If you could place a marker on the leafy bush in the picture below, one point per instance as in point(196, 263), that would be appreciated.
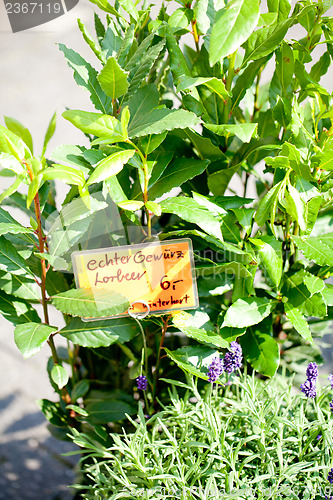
point(253, 439)
point(194, 118)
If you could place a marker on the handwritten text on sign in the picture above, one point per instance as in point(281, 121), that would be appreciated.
point(160, 273)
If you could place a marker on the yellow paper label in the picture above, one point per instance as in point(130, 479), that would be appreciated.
point(161, 274)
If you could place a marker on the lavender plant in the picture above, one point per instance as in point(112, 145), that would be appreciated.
point(256, 440)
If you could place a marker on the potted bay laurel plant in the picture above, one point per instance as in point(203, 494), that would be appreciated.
point(188, 139)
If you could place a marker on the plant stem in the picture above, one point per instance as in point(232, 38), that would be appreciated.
point(195, 34)
point(164, 329)
point(229, 79)
point(145, 182)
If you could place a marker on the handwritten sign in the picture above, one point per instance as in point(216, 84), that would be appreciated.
point(160, 274)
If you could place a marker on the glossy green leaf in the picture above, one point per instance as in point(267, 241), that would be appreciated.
point(158, 121)
point(300, 297)
point(49, 132)
point(80, 389)
point(20, 285)
point(233, 25)
point(101, 125)
point(108, 408)
point(153, 207)
point(9, 162)
point(244, 131)
point(64, 173)
point(298, 321)
point(212, 83)
point(131, 205)
point(59, 376)
point(178, 171)
point(17, 310)
point(248, 312)
point(113, 79)
point(20, 130)
point(91, 42)
point(10, 260)
point(100, 333)
point(270, 252)
point(230, 334)
point(109, 166)
point(261, 350)
point(90, 303)
point(318, 248)
point(9, 225)
point(194, 360)
point(190, 210)
point(31, 337)
point(265, 40)
point(205, 337)
point(86, 76)
point(12, 144)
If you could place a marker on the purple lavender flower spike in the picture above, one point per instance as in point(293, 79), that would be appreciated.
point(330, 476)
point(142, 382)
point(331, 405)
point(312, 371)
point(330, 378)
point(233, 359)
point(309, 388)
point(319, 437)
point(215, 369)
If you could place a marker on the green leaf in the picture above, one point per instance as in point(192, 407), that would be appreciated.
point(77, 409)
point(104, 5)
point(31, 337)
point(205, 337)
point(296, 207)
point(108, 408)
point(100, 333)
point(131, 205)
point(318, 248)
point(86, 76)
point(298, 321)
point(230, 334)
point(20, 130)
point(248, 312)
point(9, 225)
point(219, 181)
point(10, 260)
point(146, 120)
point(90, 41)
point(267, 205)
point(143, 67)
point(80, 389)
point(113, 79)
point(101, 125)
point(59, 376)
point(233, 25)
point(212, 83)
point(194, 360)
point(109, 166)
point(17, 310)
point(265, 40)
point(20, 286)
point(12, 144)
point(235, 268)
point(178, 171)
point(244, 131)
point(300, 297)
point(90, 303)
point(158, 121)
point(261, 350)
point(64, 173)
point(325, 157)
point(49, 133)
point(9, 162)
point(153, 207)
point(270, 252)
point(190, 210)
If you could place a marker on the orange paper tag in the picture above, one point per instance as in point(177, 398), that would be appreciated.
point(161, 274)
